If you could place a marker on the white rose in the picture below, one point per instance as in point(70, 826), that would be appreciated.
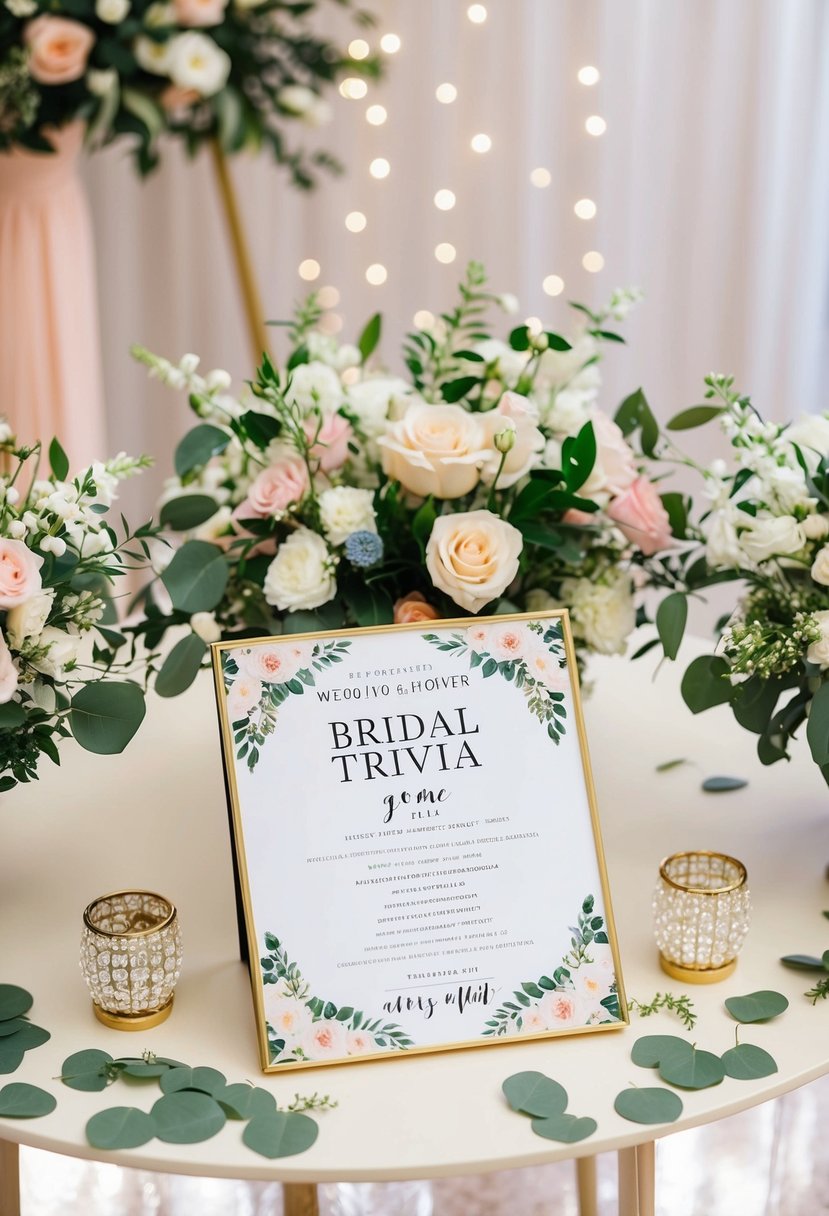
point(302, 573)
point(28, 619)
point(811, 434)
point(344, 510)
point(196, 62)
point(603, 614)
point(772, 536)
point(111, 11)
point(61, 655)
point(435, 449)
point(820, 567)
point(815, 527)
point(315, 386)
point(244, 693)
point(521, 416)
point(206, 627)
point(8, 672)
point(371, 402)
point(722, 544)
point(154, 57)
point(473, 557)
point(818, 652)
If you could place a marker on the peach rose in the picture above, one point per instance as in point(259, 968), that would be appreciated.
point(435, 449)
point(274, 489)
point(174, 97)
point(615, 467)
point(324, 1039)
point(359, 1043)
point(414, 607)
point(289, 1017)
point(8, 672)
point(520, 415)
point(509, 641)
point(560, 1009)
point(473, 556)
point(331, 446)
point(19, 573)
point(274, 664)
point(194, 13)
point(642, 518)
point(243, 694)
point(545, 667)
point(58, 49)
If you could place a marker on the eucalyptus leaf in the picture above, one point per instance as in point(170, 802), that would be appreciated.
point(566, 1129)
point(532, 1093)
point(181, 666)
point(697, 415)
point(280, 1134)
point(757, 1006)
point(745, 1062)
point(671, 616)
point(187, 511)
point(235, 1100)
point(86, 1070)
point(29, 1036)
point(802, 962)
point(196, 577)
point(668, 765)
point(10, 1057)
point(19, 1101)
point(651, 1049)
point(706, 683)
point(106, 714)
point(651, 1105)
point(198, 446)
point(120, 1127)
point(142, 1070)
point(723, 785)
point(11, 1026)
point(205, 1080)
point(14, 1001)
point(817, 725)
point(698, 1070)
point(186, 1117)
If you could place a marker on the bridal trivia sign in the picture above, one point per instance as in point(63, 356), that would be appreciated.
point(416, 839)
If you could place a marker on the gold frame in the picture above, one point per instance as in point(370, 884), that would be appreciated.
point(228, 759)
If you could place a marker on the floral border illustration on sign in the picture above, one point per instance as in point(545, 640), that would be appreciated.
point(581, 992)
point(259, 678)
point(526, 654)
point(304, 1027)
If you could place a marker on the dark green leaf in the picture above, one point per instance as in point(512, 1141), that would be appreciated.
point(197, 447)
point(757, 1006)
point(368, 339)
point(723, 785)
point(557, 342)
point(667, 765)
point(12, 1026)
point(534, 1094)
point(677, 510)
point(697, 1070)
point(14, 1001)
point(802, 962)
point(19, 1101)
point(142, 1070)
point(519, 339)
point(12, 715)
point(652, 1105)
point(280, 1134)
point(817, 727)
point(671, 616)
point(105, 715)
point(187, 511)
point(206, 1080)
point(706, 683)
point(180, 668)
point(86, 1070)
point(196, 577)
point(635, 414)
point(120, 1127)
point(58, 460)
point(186, 1117)
point(566, 1129)
point(578, 456)
point(454, 390)
point(697, 415)
point(651, 1050)
point(746, 1063)
point(261, 429)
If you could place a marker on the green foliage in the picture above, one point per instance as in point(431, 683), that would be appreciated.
point(651, 1050)
point(671, 616)
point(651, 1105)
point(280, 1134)
point(532, 1093)
point(17, 1034)
point(187, 1117)
point(120, 1127)
point(90, 1071)
point(757, 1006)
point(206, 1080)
point(696, 415)
point(369, 338)
point(197, 448)
point(187, 511)
point(817, 729)
point(14, 1001)
point(181, 666)
point(19, 1101)
point(196, 577)
point(634, 414)
point(748, 1063)
point(58, 460)
point(694, 1070)
point(706, 683)
point(682, 1006)
point(564, 1128)
point(105, 715)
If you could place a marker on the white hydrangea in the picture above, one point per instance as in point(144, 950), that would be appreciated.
point(602, 612)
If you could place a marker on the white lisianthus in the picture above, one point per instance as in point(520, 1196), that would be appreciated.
point(27, 620)
point(783, 486)
point(820, 567)
point(21, 8)
point(302, 573)
point(371, 402)
point(159, 15)
point(772, 536)
point(196, 62)
point(818, 652)
point(508, 363)
point(206, 627)
point(112, 11)
point(811, 434)
point(603, 613)
point(569, 411)
point(815, 527)
point(722, 546)
point(61, 654)
point(344, 510)
point(101, 81)
point(152, 56)
point(315, 386)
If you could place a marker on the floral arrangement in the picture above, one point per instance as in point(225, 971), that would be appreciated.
point(763, 522)
point(334, 493)
point(60, 558)
point(235, 70)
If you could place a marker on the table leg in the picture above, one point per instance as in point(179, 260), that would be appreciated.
point(646, 1177)
point(9, 1178)
point(628, 1191)
point(586, 1184)
point(299, 1199)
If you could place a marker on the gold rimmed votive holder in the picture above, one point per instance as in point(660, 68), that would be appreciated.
point(131, 958)
point(702, 913)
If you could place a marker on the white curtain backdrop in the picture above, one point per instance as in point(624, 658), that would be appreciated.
point(711, 184)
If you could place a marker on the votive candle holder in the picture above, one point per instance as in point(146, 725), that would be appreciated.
point(702, 913)
point(131, 958)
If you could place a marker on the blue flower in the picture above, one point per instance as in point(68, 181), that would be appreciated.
point(363, 548)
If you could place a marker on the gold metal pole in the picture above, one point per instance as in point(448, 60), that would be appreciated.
point(300, 1199)
point(254, 313)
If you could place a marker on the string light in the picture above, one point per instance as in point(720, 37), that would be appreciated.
point(376, 274)
point(423, 319)
point(379, 167)
point(553, 285)
point(541, 177)
point(588, 75)
point(446, 93)
point(592, 261)
point(476, 14)
point(444, 200)
point(355, 221)
point(309, 270)
point(446, 253)
point(585, 209)
point(330, 323)
point(376, 115)
point(534, 324)
point(480, 142)
point(595, 125)
point(328, 297)
point(358, 48)
point(353, 88)
point(390, 43)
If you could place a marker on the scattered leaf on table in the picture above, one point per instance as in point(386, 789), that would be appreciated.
point(667, 765)
point(86, 1070)
point(142, 1070)
point(802, 962)
point(757, 1006)
point(698, 1070)
point(186, 1117)
point(235, 1100)
point(205, 1080)
point(11, 1026)
point(29, 1036)
point(18, 1101)
point(745, 1062)
point(14, 1001)
point(10, 1057)
point(567, 1129)
point(120, 1127)
point(280, 1134)
point(262, 1102)
point(652, 1105)
point(532, 1093)
point(651, 1049)
point(722, 785)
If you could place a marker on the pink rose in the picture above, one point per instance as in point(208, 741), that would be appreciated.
point(642, 518)
point(8, 673)
point(560, 1009)
point(19, 573)
point(615, 467)
point(199, 12)
point(274, 489)
point(414, 607)
point(331, 446)
point(175, 98)
point(58, 49)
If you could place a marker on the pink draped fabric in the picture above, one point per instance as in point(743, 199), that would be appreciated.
point(50, 359)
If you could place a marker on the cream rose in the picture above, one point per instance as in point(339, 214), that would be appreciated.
point(61, 654)
point(302, 573)
point(8, 672)
point(473, 556)
point(275, 664)
point(772, 536)
point(28, 619)
point(521, 416)
point(435, 449)
point(344, 510)
point(199, 12)
point(196, 62)
point(58, 49)
point(19, 573)
point(820, 567)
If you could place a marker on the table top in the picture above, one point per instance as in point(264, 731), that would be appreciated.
point(155, 818)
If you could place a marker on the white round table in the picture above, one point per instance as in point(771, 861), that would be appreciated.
point(155, 818)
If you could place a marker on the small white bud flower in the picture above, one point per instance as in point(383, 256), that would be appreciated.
point(815, 527)
point(188, 364)
point(509, 303)
point(17, 529)
point(218, 380)
point(504, 440)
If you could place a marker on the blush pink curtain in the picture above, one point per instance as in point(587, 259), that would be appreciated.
point(50, 358)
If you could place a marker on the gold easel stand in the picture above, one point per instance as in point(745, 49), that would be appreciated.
point(254, 313)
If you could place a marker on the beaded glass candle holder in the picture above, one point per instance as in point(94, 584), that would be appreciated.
point(131, 958)
point(702, 911)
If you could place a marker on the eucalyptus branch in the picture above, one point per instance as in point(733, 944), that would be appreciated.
point(682, 1006)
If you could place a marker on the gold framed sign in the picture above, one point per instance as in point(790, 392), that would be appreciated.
point(416, 837)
